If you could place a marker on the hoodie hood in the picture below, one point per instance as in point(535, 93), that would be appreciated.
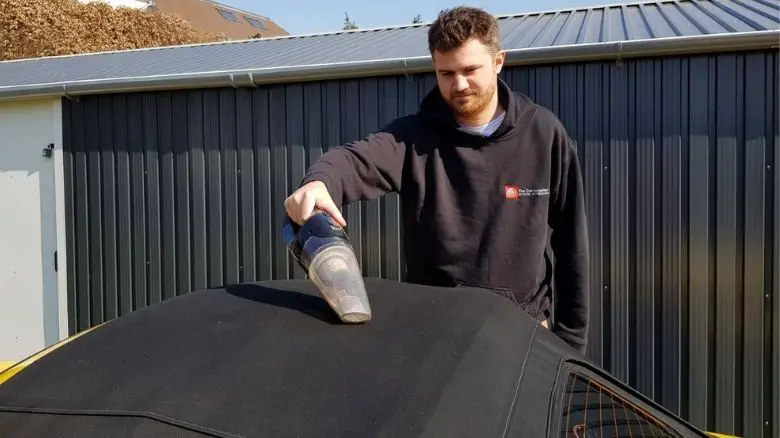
point(518, 107)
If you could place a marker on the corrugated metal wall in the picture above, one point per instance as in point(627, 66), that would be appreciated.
point(171, 192)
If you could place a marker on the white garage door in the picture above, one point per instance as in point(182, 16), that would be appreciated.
point(33, 306)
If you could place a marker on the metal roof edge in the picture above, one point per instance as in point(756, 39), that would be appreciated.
point(653, 47)
point(616, 50)
point(504, 16)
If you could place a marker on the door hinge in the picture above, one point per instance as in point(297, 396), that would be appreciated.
point(56, 262)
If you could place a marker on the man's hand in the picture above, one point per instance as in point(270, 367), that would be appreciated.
point(313, 196)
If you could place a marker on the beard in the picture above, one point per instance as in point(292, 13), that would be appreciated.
point(469, 103)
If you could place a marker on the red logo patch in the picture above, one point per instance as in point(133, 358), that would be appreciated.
point(511, 192)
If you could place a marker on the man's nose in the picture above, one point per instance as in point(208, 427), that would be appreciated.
point(461, 83)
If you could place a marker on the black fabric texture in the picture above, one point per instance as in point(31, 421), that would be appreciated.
point(70, 425)
point(480, 211)
point(272, 360)
point(542, 393)
point(535, 397)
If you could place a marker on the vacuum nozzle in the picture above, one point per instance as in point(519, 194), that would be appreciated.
point(322, 248)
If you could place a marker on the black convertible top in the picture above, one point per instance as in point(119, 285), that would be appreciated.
point(272, 360)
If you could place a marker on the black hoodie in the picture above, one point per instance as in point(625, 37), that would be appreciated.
point(476, 210)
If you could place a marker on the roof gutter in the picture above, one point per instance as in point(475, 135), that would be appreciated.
point(619, 50)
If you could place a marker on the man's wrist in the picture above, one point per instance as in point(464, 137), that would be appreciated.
point(317, 178)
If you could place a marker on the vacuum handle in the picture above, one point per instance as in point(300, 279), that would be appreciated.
point(294, 238)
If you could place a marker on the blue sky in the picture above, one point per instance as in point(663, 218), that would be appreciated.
point(313, 16)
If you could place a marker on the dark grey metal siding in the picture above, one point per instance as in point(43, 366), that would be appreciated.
point(175, 191)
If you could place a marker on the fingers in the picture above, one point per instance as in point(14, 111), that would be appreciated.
point(301, 204)
point(307, 205)
point(329, 207)
point(290, 207)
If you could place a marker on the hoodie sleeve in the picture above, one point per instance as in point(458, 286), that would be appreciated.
point(569, 244)
point(364, 169)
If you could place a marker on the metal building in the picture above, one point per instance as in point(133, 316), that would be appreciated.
point(128, 178)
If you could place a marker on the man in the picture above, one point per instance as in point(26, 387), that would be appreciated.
point(482, 172)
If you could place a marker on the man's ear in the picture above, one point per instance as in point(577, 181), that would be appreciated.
point(499, 60)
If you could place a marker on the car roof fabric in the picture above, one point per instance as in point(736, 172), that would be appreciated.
point(271, 359)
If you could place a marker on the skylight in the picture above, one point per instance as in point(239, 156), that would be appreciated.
point(255, 22)
point(228, 15)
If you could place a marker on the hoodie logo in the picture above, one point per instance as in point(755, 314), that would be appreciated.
point(514, 192)
point(511, 192)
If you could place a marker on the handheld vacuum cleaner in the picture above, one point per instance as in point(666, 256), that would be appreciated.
point(322, 248)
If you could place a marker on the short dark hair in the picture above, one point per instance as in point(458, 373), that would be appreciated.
point(455, 26)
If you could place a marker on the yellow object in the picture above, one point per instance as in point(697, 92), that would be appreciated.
point(4, 364)
point(719, 435)
point(14, 368)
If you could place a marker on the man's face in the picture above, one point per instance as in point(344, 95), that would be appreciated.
point(467, 76)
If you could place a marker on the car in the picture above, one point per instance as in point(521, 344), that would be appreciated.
point(271, 359)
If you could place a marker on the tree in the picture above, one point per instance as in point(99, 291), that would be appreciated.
point(348, 24)
point(417, 19)
point(31, 29)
